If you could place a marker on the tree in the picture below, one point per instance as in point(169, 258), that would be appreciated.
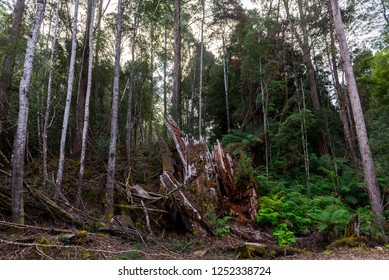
point(109, 197)
point(367, 158)
point(58, 183)
point(8, 66)
point(87, 101)
point(21, 131)
point(176, 97)
point(48, 100)
point(201, 71)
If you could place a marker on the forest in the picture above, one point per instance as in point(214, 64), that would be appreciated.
point(194, 129)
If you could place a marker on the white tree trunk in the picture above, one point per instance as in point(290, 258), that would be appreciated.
point(48, 100)
point(201, 73)
point(86, 111)
point(58, 183)
point(114, 120)
point(21, 131)
point(367, 159)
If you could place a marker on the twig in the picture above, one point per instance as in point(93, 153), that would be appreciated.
point(35, 227)
point(78, 247)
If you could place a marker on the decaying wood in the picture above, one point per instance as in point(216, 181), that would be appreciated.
point(59, 211)
point(242, 201)
point(125, 232)
point(353, 227)
point(190, 214)
point(195, 157)
point(251, 250)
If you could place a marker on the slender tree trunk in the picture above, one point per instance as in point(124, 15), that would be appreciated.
point(225, 73)
point(86, 111)
point(48, 101)
point(342, 105)
point(41, 98)
point(81, 92)
point(130, 94)
point(176, 97)
point(58, 184)
point(305, 46)
point(164, 81)
point(8, 67)
point(109, 197)
point(19, 147)
point(201, 73)
point(364, 148)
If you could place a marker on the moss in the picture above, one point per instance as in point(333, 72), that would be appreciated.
point(256, 250)
point(348, 242)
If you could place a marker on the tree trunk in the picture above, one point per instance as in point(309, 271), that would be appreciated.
point(176, 97)
point(81, 96)
point(367, 159)
point(58, 184)
point(225, 76)
point(130, 94)
point(306, 49)
point(8, 67)
point(109, 197)
point(342, 105)
point(48, 101)
point(87, 101)
point(19, 147)
point(201, 72)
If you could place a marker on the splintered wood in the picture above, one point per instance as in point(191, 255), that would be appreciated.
point(208, 186)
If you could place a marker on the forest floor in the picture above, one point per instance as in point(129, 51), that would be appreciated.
point(40, 245)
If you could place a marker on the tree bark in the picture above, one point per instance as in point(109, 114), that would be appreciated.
point(19, 147)
point(8, 67)
point(58, 183)
point(176, 97)
point(342, 105)
point(87, 101)
point(130, 94)
point(367, 159)
point(48, 101)
point(109, 197)
point(201, 72)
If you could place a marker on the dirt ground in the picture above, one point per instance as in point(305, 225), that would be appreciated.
point(38, 245)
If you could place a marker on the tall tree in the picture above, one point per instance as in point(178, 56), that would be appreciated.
point(109, 197)
point(201, 71)
point(8, 66)
point(176, 97)
point(58, 183)
point(48, 100)
point(87, 101)
point(367, 158)
point(19, 147)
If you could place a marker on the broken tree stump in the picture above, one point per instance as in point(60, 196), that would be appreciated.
point(241, 201)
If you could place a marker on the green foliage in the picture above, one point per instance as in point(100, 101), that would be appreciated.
point(284, 236)
point(238, 141)
point(222, 228)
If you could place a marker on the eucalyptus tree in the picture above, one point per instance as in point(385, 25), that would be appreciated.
point(87, 101)
point(20, 140)
point(109, 197)
point(58, 183)
point(369, 171)
point(49, 99)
